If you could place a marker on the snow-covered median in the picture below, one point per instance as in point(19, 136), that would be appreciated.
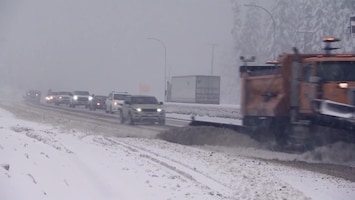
point(223, 113)
point(44, 162)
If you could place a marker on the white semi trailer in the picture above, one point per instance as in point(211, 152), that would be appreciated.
point(195, 89)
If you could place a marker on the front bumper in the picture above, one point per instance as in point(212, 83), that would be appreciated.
point(98, 105)
point(79, 103)
point(116, 108)
point(148, 117)
point(63, 101)
point(333, 114)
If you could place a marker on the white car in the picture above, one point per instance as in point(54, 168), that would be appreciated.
point(115, 101)
point(62, 98)
point(80, 98)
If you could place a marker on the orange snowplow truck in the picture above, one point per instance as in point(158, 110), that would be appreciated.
point(308, 99)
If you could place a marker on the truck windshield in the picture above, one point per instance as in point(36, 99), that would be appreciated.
point(144, 100)
point(64, 93)
point(82, 93)
point(336, 71)
point(119, 96)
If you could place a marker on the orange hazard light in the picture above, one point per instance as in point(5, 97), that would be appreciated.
point(331, 39)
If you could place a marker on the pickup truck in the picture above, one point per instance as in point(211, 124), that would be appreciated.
point(80, 98)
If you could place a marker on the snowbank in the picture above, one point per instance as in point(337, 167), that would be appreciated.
point(46, 162)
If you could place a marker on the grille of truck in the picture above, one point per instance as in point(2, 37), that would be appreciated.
point(149, 110)
point(82, 99)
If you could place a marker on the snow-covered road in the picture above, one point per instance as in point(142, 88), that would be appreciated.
point(41, 161)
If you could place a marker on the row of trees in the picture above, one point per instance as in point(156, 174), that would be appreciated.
point(298, 23)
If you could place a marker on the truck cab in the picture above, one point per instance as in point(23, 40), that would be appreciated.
point(327, 86)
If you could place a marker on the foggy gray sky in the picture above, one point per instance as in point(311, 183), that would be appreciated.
point(101, 45)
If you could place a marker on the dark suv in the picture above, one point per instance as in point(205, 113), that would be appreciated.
point(33, 96)
point(97, 102)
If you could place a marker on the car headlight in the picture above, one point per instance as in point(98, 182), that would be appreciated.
point(60, 97)
point(139, 109)
point(75, 97)
point(343, 85)
point(159, 109)
point(90, 98)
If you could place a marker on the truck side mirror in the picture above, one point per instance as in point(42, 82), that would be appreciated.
point(161, 103)
point(127, 102)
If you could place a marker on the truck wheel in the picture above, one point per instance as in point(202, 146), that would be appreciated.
point(162, 122)
point(111, 110)
point(122, 118)
point(130, 119)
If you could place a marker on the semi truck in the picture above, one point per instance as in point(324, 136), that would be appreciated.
point(195, 89)
point(301, 100)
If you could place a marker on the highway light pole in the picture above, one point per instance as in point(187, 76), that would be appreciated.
point(273, 22)
point(212, 57)
point(163, 44)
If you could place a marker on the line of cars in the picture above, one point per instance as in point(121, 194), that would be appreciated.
point(131, 108)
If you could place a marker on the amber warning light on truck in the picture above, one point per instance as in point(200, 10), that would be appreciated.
point(331, 39)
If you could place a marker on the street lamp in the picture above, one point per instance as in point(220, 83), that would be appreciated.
point(212, 57)
point(163, 44)
point(272, 18)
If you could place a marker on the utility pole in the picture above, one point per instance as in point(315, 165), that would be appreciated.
point(164, 46)
point(212, 56)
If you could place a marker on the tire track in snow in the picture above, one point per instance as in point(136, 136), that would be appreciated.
point(207, 182)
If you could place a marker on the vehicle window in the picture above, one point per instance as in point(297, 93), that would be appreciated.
point(64, 93)
point(119, 96)
point(144, 100)
point(81, 93)
point(336, 71)
point(100, 97)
